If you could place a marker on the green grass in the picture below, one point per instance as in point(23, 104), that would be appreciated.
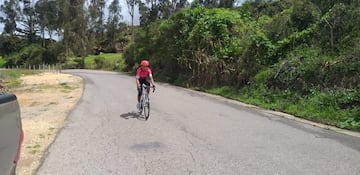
point(34, 149)
point(2, 61)
point(106, 61)
point(11, 77)
point(336, 108)
point(66, 88)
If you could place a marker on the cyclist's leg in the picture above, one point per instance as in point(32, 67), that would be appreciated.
point(148, 86)
point(139, 94)
point(140, 89)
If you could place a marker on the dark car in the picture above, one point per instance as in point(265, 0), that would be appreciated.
point(11, 133)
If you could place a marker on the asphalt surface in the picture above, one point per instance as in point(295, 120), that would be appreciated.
point(188, 133)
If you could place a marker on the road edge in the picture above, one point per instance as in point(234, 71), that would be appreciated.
point(277, 113)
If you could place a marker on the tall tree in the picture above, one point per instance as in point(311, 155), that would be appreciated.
point(207, 3)
point(131, 8)
point(214, 3)
point(43, 21)
point(28, 21)
point(151, 10)
point(46, 12)
point(143, 9)
point(97, 21)
point(75, 23)
point(9, 8)
point(227, 3)
point(167, 7)
point(304, 14)
point(178, 4)
point(113, 22)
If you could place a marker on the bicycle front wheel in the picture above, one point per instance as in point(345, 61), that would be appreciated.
point(146, 108)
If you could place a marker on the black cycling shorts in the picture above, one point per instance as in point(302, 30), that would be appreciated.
point(142, 81)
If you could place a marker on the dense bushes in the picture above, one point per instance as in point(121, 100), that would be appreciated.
point(106, 61)
point(2, 62)
point(289, 56)
point(17, 52)
point(198, 44)
point(29, 55)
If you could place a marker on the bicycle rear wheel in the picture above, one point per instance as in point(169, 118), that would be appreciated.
point(146, 107)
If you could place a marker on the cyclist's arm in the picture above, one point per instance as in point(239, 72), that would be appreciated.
point(151, 78)
point(137, 83)
point(152, 81)
point(137, 78)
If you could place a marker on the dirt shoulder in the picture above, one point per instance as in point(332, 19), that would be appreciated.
point(45, 101)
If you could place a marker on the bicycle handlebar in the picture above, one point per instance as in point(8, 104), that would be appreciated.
point(145, 86)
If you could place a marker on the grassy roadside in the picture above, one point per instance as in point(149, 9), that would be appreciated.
point(336, 108)
point(2, 61)
point(10, 78)
point(104, 61)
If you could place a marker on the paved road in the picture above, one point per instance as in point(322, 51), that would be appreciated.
point(188, 133)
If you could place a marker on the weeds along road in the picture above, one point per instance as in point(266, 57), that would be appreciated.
point(188, 133)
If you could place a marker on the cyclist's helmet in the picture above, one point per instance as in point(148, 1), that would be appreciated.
point(144, 63)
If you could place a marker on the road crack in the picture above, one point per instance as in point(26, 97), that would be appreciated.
point(146, 169)
point(194, 163)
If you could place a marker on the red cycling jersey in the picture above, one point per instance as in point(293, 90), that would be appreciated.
point(142, 74)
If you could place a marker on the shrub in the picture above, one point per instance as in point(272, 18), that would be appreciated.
point(99, 62)
point(2, 62)
point(30, 55)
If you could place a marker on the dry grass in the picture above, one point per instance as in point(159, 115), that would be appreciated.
point(45, 101)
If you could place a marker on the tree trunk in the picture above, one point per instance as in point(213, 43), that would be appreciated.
point(331, 26)
point(43, 37)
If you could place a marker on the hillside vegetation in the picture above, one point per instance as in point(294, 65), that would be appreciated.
point(300, 57)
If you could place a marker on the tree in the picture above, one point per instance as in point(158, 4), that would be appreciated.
point(304, 14)
point(178, 4)
point(149, 11)
point(10, 8)
point(114, 15)
point(113, 23)
point(28, 21)
point(96, 14)
point(74, 24)
point(46, 12)
point(209, 3)
point(143, 14)
point(152, 10)
point(168, 7)
point(339, 21)
point(131, 8)
point(227, 3)
point(214, 3)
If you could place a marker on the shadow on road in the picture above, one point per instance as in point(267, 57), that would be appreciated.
point(131, 115)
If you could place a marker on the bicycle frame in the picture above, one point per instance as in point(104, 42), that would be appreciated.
point(145, 102)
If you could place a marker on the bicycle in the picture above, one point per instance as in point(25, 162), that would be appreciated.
point(145, 101)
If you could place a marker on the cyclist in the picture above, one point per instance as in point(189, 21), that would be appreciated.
point(143, 73)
